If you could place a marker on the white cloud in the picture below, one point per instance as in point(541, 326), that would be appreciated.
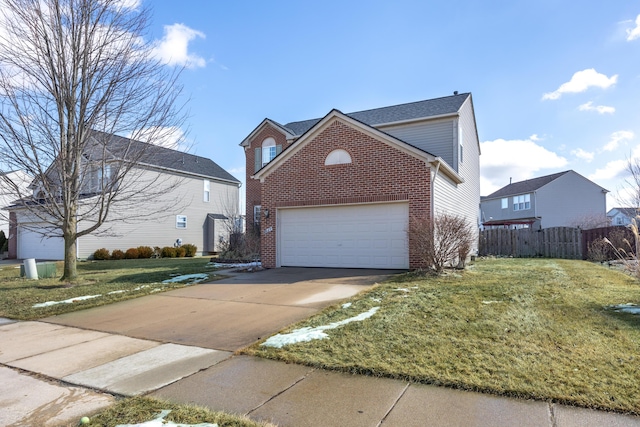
point(582, 154)
point(128, 4)
point(634, 33)
point(169, 137)
point(617, 138)
point(535, 137)
point(611, 170)
point(173, 49)
point(581, 81)
point(601, 109)
point(503, 160)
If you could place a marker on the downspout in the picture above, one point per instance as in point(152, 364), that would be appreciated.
point(433, 186)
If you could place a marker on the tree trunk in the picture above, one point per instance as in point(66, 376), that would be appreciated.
point(70, 260)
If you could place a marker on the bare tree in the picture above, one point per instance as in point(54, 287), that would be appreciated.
point(73, 73)
point(629, 195)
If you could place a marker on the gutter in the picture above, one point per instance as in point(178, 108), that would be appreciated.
point(433, 186)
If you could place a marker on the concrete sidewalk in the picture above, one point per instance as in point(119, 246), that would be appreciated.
point(178, 345)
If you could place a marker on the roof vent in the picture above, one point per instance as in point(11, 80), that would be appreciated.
point(455, 92)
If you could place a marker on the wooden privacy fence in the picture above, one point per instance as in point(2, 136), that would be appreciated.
point(555, 242)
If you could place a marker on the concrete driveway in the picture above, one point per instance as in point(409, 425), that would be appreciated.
point(227, 314)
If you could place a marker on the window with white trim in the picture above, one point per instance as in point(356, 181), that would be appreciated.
point(181, 221)
point(522, 202)
point(505, 203)
point(338, 157)
point(460, 144)
point(268, 150)
point(257, 209)
point(206, 196)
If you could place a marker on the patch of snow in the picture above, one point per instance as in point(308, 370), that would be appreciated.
point(232, 265)
point(626, 308)
point(66, 301)
point(317, 333)
point(376, 299)
point(192, 278)
point(402, 289)
point(140, 287)
point(121, 291)
point(159, 421)
point(490, 302)
point(346, 305)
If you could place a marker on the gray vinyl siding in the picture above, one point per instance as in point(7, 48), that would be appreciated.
point(568, 199)
point(435, 137)
point(154, 223)
point(462, 199)
point(491, 210)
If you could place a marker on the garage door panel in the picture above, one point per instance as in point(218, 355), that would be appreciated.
point(33, 245)
point(355, 236)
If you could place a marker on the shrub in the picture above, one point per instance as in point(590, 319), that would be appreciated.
point(445, 240)
point(131, 253)
point(599, 250)
point(101, 254)
point(190, 250)
point(157, 251)
point(145, 252)
point(168, 252)
point(180, 251)
point(117, 254)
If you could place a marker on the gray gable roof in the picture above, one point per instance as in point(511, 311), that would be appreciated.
point(155, 155)
point(395, 113)
point(527, 186)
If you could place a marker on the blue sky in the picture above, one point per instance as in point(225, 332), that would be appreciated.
point(555, 84)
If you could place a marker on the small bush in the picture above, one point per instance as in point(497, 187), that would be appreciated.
point(117, 254)
point(190, 249)
point(145, 252)
point(157, 252)
point(101, 254)
point(131, 253)
point(168, 252)
point(180, 251)
point(599, 250)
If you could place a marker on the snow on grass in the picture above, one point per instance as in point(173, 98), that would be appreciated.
point(232, 265)
point(159, 421)
point(190, 278)
point(346, 305)
point(626, 308)
point(317, 333)
point(66, 301)
point(402, 289)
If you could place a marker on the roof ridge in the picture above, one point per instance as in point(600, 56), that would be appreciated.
point(409, 103)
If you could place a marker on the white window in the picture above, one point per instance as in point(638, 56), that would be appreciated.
point(181, 221)
point(460, 143)
point(522, 202)
point(619, 220)
point(338, 157)
point(256, 214)
point(268, 150)
point(505, 203)
point(206, 197)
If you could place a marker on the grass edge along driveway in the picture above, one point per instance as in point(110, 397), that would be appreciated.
point(529, 328)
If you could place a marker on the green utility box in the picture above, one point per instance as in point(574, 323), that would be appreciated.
point(45, 270)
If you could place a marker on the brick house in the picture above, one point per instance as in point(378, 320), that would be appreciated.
point(339, 191)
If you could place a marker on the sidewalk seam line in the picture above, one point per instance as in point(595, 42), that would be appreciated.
point(404, 390)
point(281, 392)
point(552, 415)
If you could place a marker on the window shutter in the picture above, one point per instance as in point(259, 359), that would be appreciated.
point(278, 149)
point(258, 159)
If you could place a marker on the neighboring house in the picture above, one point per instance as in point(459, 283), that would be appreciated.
point(339, 191)
point(197, 206)
point(622, 216)
point(8, 193)
point(560, 199)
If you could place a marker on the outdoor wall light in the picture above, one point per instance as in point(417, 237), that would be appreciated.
point(266, 213)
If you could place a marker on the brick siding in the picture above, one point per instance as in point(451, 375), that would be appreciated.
point(378, 173)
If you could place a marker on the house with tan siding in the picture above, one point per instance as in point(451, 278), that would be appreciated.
point(192, 201)
point(339, 191)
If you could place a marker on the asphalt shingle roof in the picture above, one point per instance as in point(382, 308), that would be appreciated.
point(395, 113)
point(156, 155)
point(527, 186)
point(630, 212)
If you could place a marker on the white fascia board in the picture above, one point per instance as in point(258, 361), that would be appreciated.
point(245, 142)
point(327, 120)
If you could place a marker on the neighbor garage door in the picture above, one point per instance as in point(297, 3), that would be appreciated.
point(352, 236)
point(33, 245)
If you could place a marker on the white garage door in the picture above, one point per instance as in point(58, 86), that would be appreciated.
point(33, 245)
point(352, 236)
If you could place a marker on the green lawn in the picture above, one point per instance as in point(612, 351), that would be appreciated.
point(530, 328)
point(112, 280)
